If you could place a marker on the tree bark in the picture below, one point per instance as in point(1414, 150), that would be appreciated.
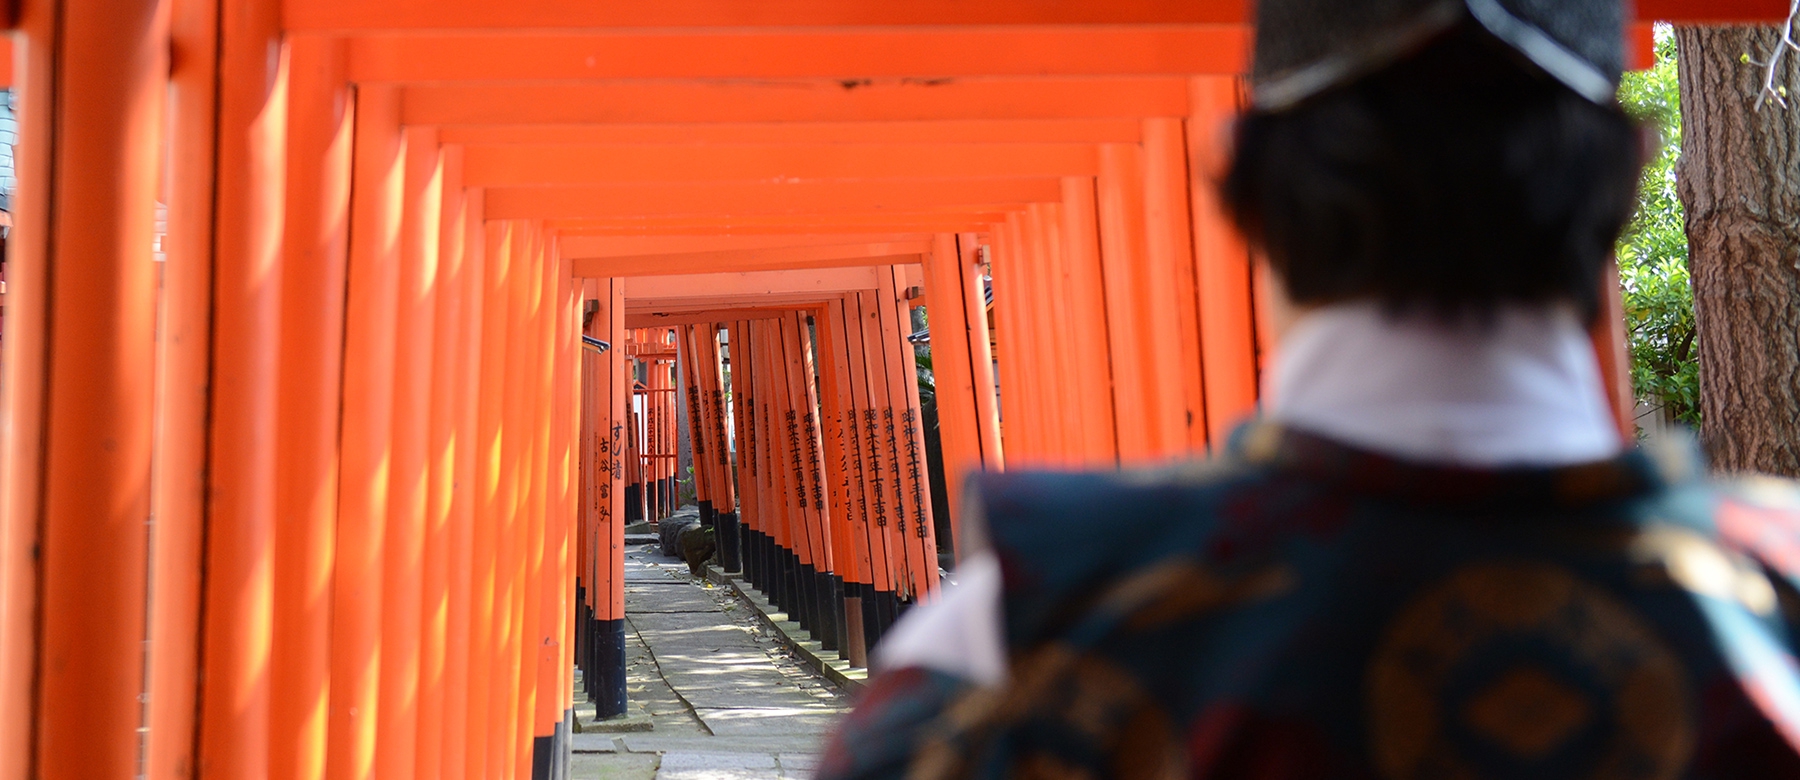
point(1739, 180)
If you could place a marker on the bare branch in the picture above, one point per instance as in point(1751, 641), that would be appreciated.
point(1771, 92)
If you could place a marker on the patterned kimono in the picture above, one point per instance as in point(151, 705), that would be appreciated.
point(1301, 609)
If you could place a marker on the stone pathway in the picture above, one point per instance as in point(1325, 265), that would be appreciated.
point(712, 694)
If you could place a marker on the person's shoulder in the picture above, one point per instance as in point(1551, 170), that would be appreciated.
point(1760, 517)
point(1754, 514)
point(1060, 534)
point(1032, 490)
point(1026, 507)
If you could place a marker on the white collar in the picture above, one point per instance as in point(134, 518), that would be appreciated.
point(1521, 389)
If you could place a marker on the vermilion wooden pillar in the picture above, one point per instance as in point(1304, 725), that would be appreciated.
point(536, 626)
point(918, 533)
point(634, 440)
point(651, 437)
point(509, 700)
point(644, 430)
point(555, 673)
point(567, 494)
point(881, 471)
point(320, 124)
point(749, 468)
point(1012, 334)
point(951, 368)
point(460, 671)
point(780, 472)
point(849, 506)
point(645, 414)
point(766, 434)
point(698, 442)
point(529, 556)
point(746, 410)
point(787, 493)
point(636, 476)
point(803, 525)
point(367, 433)
point(586, 465)
point(712, 393)
point(532, 496)
point(612, 389)
point(779, 500)
point(500, 730)
point(645, 434)
point(448, 345)
point(241, 511)
point(1222, 265)
point(184, 375)
point(1036, 341)
point(705, 455)
point(866, 469)
point(655, 391)
point(573, 557)
point(1136, 400)
point(79, 352)
point(672, 422)
point(1171, 287)
point(1089, 343)
point(824, 588)
point(1057, 370)
point(540, 628)
point(670, 429)
point(486, 621)
point(981, 354)
point(592, 456)
point(1051, 375)
point(396, 749)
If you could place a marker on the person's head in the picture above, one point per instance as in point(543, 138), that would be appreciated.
point(1454, 178)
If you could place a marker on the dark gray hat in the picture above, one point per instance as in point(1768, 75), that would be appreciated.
point(1304, 47)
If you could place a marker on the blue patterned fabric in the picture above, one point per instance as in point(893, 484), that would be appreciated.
point(1301, 609)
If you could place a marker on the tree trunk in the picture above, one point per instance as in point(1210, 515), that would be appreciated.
point(1739, 179)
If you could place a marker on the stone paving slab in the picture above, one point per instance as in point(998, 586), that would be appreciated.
point(714, 760)
point(832, 664)
point(590, 766)
point(596, 743)
point(776, 744)
point(726, 766)
point(769, 720)
point(636, 577)
point(641, 571)
point(799, 762)
point(717, 682)
point(656, 599)
point(687, 633)
point(726, 698)
point(748, 699)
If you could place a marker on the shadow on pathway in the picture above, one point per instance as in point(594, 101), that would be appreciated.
point(712, 694)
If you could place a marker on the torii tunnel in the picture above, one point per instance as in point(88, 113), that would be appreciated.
point(307, 472)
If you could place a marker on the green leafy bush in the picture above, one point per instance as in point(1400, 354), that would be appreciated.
point(1653, 254)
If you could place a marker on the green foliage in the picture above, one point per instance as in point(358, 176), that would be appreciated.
point(686, 493)
point(927, 381)
point(921, 319)
point(1653, 254)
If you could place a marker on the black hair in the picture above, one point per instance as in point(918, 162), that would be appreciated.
point(1455, 180)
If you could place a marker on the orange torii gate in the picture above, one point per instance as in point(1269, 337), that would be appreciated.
point(351, 406)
